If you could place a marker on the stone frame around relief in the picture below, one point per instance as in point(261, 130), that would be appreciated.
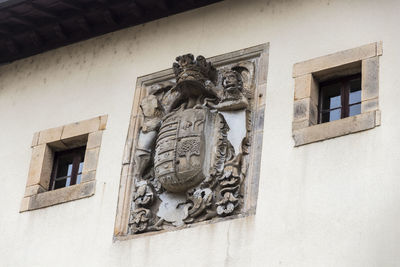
point(256, 56)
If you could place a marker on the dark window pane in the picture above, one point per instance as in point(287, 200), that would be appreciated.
point(331, 115)
point(355, 91)
point(355, 110)
point(334, 115)
point(331, 96)
point(355, 97)
point(355, 84)
point(340, 98)
point(64, 166)
point(335, 102)
point(324, 117)
point(59, 184)
point(68, 167)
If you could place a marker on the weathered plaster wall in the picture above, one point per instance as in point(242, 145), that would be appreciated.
point(333, 203)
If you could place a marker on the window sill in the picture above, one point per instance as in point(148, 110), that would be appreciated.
point(324, 131)
point(58, 196)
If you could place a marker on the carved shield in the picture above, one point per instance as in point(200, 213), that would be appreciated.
point(183, 148)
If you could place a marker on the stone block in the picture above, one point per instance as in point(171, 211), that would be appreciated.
point(301, 124)
point(305, 109)
point(62, 195)
point(134, 126)
point(76, 141)
point(370, 78)
point(126, 159)
point(302, 87)
point(314, 91)
point(81, 128)
point(123, 206)
point(50, 135)
point(47, 167)
point(377, 117)
point(306, 87)
point(313, 116)
point(35, 167)
point(263, 71)
point(91, 158)
point(24, 204)
point(94, 139)
point(335, 59)
point(33, 190)
point(255, 171)
point(369, 105)
point(259, 119)
point(137, 97)
point(333, 129)
point(35, 139)
point(261, 96)
point(40, 166)
point(103, 122)
point(338, 72)
point(301, 109)
point(57, 145)
point(88, 176)
point(379, 48)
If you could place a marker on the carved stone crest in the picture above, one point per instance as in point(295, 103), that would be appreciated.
point(191, 157)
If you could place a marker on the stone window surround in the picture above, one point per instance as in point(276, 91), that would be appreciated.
point(308, 74)
point(44, 144)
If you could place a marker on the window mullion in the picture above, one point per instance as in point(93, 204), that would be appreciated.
point(75, 169)
point(345, 98)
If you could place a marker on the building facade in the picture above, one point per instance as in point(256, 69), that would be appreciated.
point(324, 193)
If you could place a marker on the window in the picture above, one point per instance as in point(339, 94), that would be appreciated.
point(67, 168)
point(340, 98)
point(63, 164)
point(336, 95)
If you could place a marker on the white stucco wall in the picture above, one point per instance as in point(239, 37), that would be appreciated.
point(333, 203)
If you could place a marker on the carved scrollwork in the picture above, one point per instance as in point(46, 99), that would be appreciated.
point(143, 196)
point(230, 183)
point(139, 220)
point(200, 204)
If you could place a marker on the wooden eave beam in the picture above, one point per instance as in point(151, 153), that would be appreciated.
point(44, 10)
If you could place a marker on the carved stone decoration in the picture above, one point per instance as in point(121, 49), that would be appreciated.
point(191, 156)
point(185, 144)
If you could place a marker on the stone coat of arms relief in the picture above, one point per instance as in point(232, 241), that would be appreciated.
point(191, 154)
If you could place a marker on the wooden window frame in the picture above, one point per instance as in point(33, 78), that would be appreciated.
point(77, 159)
point(344, 96)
